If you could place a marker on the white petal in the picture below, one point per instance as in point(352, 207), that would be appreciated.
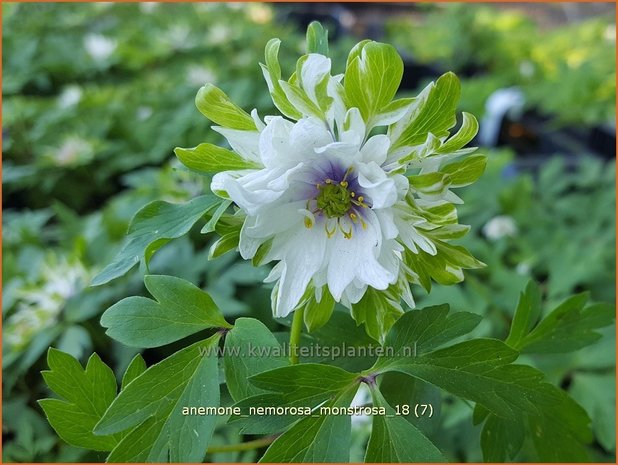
point(256, 119)
point(411, 237)
point(254, 190)
point(355, 128)
point(342, 151)
point(275, 273)
point(337, 111)
point(375, 149)
point(274, 142)
point(354, 292)
point(306, 136)
point(356, 258)
point(274, 220)
point(387, 223)
point(244, 143)
point(247, 246)
point(302, 254)
point(377, 185)
point(313, 70)
point(401, 184)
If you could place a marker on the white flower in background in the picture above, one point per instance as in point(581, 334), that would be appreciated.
point(99, 47)
point(259, 13)
point(143, 112)
point(219, 34)
point(499, 227)
point(526, 68)
point(40, 304)
point(242, 59)
point(340, 208)
point(198, 75)
point(523, 268)
point(70, 96)
point(73, 151)
point(178, 37)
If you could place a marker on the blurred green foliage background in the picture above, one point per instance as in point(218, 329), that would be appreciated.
point(96, 96)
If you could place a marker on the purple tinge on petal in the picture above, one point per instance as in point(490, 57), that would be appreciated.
point(336, 172)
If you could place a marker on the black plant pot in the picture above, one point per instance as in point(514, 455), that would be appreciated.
point(602, 139)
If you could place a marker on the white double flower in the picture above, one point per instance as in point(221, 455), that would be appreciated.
point(322, 199)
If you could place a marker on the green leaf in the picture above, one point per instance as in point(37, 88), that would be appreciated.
point(215, 105)
point(135, 368)
point(458, 255)
point(153, 402)
point(434, 183)
point(155, 224)
point(320, 438)
point(420, 331)
point(341, 333)
point(272, 75)
point(469, 129)
point(569, 327)
point(558, 434)
point(224, 244)
point(372, 77)
point(309, 382)
point(465, 172)
point(299, 98)
point(395, 440)
point(561, 432)
point(317, 39)
point(211, 224)
point(501, 439)
point(250, 348)
point(180, 309)
point(377, 311)
point(433, 112)
point(481, 371)
point(356, 51)
point(391, 112)
point(264, 424)
point(209, 158)
point(401, 389)
point(526, 315)
point(597, 394)
point(86, 394)
point(471, 370)
point(316, 313)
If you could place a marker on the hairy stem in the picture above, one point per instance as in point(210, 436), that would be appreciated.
point(242, 446)
point(297, 328)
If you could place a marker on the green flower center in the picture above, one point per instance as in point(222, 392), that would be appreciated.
point(334, 199)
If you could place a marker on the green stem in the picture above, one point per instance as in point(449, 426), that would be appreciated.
point(295, 331)
point(242, 446)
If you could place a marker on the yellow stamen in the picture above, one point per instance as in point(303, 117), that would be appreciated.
point(330, 233)
point(352, 194)
point(308, 222)
point(344, 183)
point(346, 234)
